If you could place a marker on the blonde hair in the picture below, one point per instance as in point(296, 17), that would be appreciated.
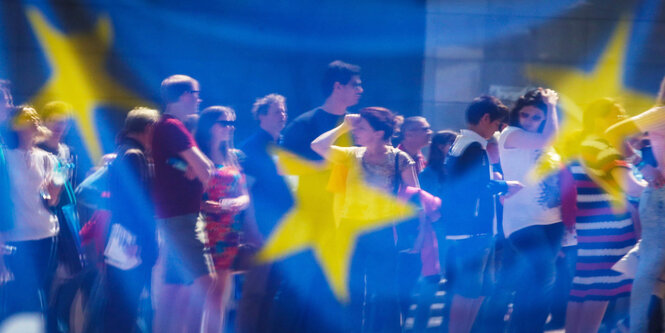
point(55, 111)
point(24, 117)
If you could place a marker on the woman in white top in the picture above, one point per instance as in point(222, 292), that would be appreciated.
point(532, 218)
point(34, 188)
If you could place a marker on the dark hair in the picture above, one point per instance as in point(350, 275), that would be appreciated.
point(262, 104)
point(174, 86)
point(138, 119)
point(533, 98)
point(207, 120)
point(381, 119)
point(486, 104)
point(436, 157)
point(338, 71)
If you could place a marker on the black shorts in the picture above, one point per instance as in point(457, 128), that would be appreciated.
point(468, 265)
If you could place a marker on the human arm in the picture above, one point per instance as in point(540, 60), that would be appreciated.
point(616, 133)
point(53, 180)
point(198, 165)
point(534, 140)
point(472, 161)
point(250, 228)
point(626, 180)
point(322, 144)
point(409, 176)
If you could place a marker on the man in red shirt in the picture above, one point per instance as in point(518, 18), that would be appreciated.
point(181, 174)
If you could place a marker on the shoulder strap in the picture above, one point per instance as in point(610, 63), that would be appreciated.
point(398, 177)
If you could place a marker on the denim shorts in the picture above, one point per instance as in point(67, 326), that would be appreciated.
point(183, 249)
point(468, 264)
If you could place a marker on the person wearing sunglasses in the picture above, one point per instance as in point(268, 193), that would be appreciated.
point(224, 198)
point(532, 217)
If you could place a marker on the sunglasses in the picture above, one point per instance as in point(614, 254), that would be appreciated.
point(534, 117)
point(226, 122)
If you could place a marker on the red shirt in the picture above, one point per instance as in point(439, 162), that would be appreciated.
point(174, 194)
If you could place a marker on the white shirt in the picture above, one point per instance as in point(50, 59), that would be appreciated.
point(535, 203)
point(29, 171)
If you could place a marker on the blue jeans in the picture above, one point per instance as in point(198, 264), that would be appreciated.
point(33, 266)
point(652, 256)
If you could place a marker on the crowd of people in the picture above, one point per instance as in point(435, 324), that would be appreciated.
point(156, 236)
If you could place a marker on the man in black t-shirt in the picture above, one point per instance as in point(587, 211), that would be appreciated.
point(316, 309)
point(342, 85)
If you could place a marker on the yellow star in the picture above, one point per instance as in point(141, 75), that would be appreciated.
point(78, 74)
point(309, 225)
point(577, 89)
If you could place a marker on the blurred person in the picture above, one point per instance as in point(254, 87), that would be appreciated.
point(182, 172)
point(56, 116)
point(605, 230)
point(6, 209)
point(415, 134)
point(342, 86)
point(271, 199)
point(470, 217)
point(648, 278)
point(224, 198)
point(129, 264)
point(532, 217)
point(374, 300)
point(434, 178)
point(34, 188)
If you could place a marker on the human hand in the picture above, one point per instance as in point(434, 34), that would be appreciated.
point(513, 187)
point(550, 97)
point(351, 119)
point(212, 207)
point(234, 204)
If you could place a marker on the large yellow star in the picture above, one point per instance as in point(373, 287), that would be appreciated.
point(308, 226)
point(78, 74)
point(577, 89)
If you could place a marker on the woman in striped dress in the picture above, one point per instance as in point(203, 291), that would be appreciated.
point(603, 223)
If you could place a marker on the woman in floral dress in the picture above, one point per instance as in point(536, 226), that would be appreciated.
point(225, 197)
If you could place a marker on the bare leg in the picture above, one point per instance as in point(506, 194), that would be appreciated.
point(216, 303)
point(573, 313)
point(196, 295)
point(463, 312)
point(592, 314)
point(169, 306)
